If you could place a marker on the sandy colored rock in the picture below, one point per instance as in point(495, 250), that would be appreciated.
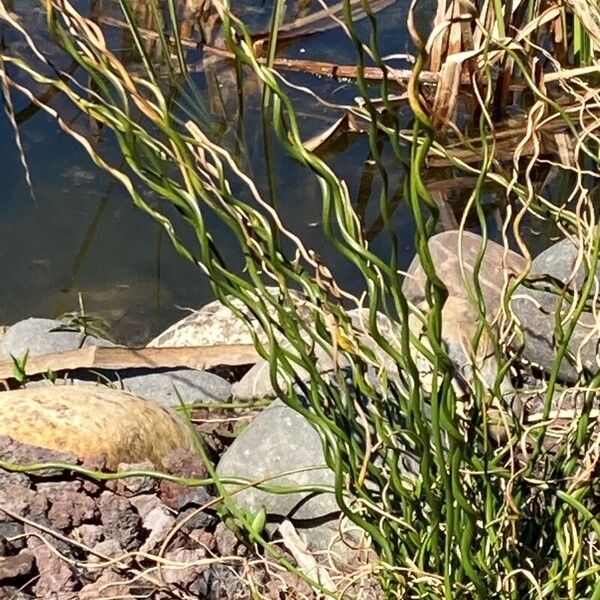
point(455, 256)
point(498, 264)
point(92, 421)
point(460, 322)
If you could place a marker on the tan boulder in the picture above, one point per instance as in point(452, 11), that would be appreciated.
point(93, 421)
point(460, 322)
point(455, 256)
point(451, 248)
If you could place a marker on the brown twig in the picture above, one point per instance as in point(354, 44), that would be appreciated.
point(95, 357)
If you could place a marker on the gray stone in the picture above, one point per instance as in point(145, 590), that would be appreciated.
point(460, 316)
point(561, 262)
point(42, 336)
point(280, 440)
point(460, 321)
point(536, 311)
point(178, 576)
point(136, 485)
point(166, 388)
point(257, 381)
point(145, 504)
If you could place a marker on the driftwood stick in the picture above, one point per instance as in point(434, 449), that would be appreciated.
point(116, 358)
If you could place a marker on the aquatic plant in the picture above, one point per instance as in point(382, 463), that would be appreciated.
point(502, 98)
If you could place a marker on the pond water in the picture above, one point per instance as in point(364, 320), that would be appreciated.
point(80, 232)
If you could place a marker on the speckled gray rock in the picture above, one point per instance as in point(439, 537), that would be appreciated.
point(41, 336)
point(166, 388)
point(279, 440)
point(216, 324)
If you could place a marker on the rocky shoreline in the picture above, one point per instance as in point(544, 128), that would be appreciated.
point(68, 535)
point(142, 535)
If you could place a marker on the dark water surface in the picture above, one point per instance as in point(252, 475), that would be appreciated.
point(82, 234)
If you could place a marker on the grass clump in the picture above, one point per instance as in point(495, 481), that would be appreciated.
point(502, 99)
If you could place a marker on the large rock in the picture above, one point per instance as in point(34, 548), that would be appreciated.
point(279, 440)
point(449, 252)
point(535, 309)
point(460, 322)
point(217, 324)
point(42, 336)
point(455, 257)
point(92, 421)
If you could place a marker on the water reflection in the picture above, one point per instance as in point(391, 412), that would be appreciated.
point(85, 236)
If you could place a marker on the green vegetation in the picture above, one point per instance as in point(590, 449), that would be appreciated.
point(502, 97)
